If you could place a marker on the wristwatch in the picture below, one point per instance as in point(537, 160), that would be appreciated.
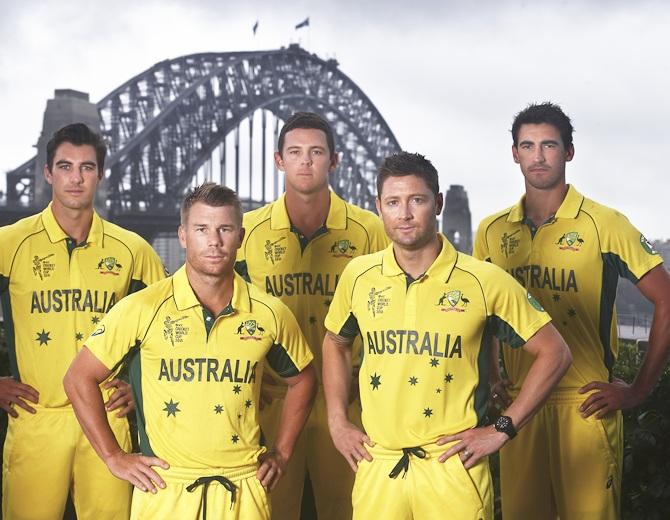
point(504, 424)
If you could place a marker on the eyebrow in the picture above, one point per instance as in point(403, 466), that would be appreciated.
point(84, 163)
point(545, 141)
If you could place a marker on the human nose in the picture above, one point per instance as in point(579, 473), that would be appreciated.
point(77, 176)
point(404, 212)
point(538, 155)
point(306, 158)
point(214, 238)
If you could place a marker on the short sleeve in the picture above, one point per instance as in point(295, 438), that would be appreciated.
point(116, 333)
point(289, 354)
point(514, 315)
point(148, 268)
point(480, 249)
point(625, 249)
point(340, 319)
point(6, 252)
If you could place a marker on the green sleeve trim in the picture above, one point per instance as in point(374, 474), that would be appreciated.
point(505, 332)
point(350, 329)
point(281, 362)
point(614, 261)
point(242, 270)
point(136, 285)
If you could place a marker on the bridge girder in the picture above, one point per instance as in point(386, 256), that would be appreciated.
point(164, 124)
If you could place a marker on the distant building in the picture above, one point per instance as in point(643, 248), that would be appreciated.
point(456, 219)
point(67, 106)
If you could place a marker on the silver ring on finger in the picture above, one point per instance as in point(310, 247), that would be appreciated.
point(467, 454)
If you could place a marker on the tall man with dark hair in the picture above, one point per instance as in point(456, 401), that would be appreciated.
point(569, 251)
point(195, 344)
point(61, 271)
point(426, 314)
point(295, 249)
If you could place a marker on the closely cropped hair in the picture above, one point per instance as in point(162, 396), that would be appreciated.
point(78, 134)
point(547, 112)
point(308, 120)
point(405, 163)
point(211, 194)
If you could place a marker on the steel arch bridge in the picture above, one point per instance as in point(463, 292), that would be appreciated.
point(216, 116)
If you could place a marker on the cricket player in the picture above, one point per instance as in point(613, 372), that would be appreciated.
point(426, 314)
point(569, 252)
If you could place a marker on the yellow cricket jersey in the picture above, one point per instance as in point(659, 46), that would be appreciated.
point(571, 264)
point(426, 342)
point(54, 292)
point(302, 272)
point(196, 377)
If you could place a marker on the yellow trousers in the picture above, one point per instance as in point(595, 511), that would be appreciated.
point(190, 495)
point(46, 455)
point(427, 490)
point(562, 465)
point(331, 477)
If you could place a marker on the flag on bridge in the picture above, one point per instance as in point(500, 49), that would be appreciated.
point(255, 27)
point(304, 23)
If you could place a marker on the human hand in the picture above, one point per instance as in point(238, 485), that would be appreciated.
point(13, 392)
point(474, 444)
point(350, 442)
point(500, 398)
point(609, 397)
point(272, 467)
point(137, 469)
point(122, 397)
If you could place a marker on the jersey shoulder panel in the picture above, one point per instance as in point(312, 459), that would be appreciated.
point(481, 247)
point(13, 236)
point(134, 242)
point(252, 218)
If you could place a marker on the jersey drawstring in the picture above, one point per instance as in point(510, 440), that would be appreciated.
point(204, 482)
point(403, 463)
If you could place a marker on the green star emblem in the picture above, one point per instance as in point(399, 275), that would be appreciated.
point(327, 303)
point(413, 381)
point(235, 438)
point(247, 403)
point(79, 336)
point(438, 390)
point(572, 312)
point(171, 408)
point(427, 412)
point(448, 378)
point(556, 297)
point(218, 409)
point(237, 389)
point(43, 337)
point(312, 320)
point(375, 381)
point(95, 320)
point(434, 362)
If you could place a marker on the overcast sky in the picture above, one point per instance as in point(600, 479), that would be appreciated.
point(447, 76)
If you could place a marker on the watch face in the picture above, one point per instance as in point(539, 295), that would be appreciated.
point(503, 422)
point(504, 425)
